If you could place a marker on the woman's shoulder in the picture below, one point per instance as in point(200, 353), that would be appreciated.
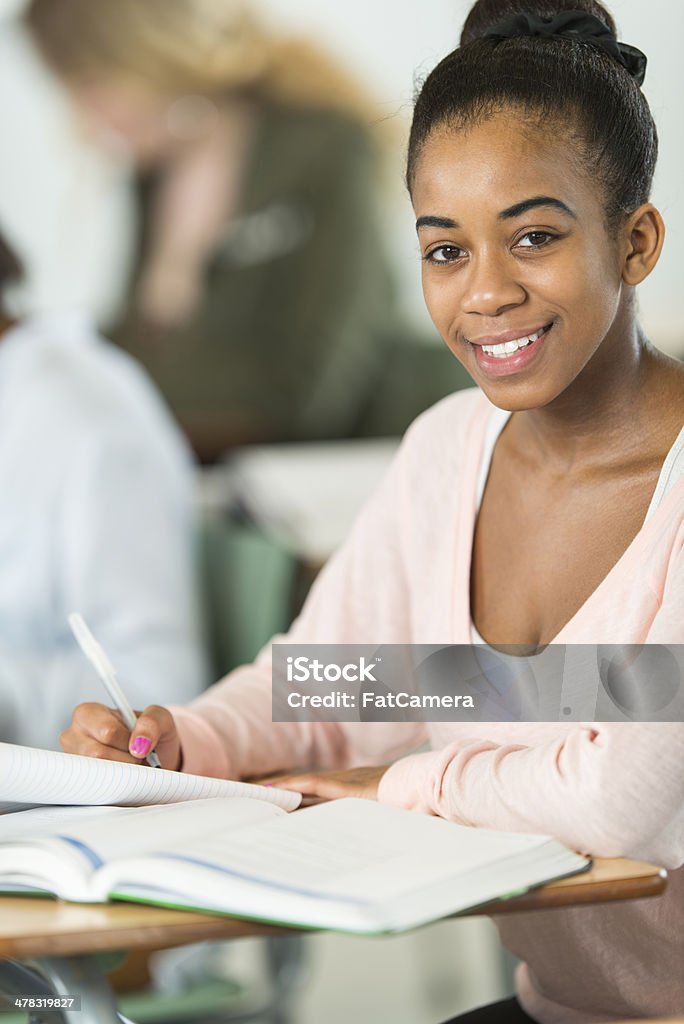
point(443, 444)
point(457, 417)
point(86, 388)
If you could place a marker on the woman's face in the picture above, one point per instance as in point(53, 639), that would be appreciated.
point(520, 275)
point(124, 113)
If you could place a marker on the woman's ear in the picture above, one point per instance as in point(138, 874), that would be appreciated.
point(644, 237)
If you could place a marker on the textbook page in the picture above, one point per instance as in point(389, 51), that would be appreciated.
point(60, 850)
point(29, 775)
point(350, 864)
point(50, 819)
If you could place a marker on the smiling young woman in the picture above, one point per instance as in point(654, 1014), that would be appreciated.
point(533, 290)
point(532, 200)
point(547, 505)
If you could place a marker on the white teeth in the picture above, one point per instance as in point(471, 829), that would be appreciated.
point(507, 348)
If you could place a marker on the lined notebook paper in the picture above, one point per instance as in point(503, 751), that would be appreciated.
point(32, 776)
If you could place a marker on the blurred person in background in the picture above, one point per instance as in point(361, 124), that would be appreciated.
point(260, 299)
point(97, 517)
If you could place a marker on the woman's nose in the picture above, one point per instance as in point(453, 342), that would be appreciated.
point(490, 286)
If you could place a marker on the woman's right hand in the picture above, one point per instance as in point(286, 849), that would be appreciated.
point(99, 731)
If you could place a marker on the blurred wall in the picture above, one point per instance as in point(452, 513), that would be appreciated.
point(58, 198)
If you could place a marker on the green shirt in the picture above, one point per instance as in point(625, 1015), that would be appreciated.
point(298, 313)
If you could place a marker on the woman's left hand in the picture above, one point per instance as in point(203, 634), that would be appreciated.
point(358, 782)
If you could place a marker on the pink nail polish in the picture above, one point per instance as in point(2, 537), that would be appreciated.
point(141, 746)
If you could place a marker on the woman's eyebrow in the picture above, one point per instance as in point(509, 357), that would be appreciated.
point(530, 204)
point(508, 214)
point(435, 222)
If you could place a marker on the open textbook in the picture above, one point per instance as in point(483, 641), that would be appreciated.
point(349, 865)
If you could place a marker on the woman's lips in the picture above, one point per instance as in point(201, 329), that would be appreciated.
point(504, 365)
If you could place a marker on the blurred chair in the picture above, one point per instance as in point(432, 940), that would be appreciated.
point(249, 582)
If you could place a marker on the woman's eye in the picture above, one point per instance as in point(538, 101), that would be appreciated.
point(535, 239)
point(443, 254)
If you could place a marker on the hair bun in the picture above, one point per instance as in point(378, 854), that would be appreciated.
point(485, 14)
point(576, 25)
point(556, 63)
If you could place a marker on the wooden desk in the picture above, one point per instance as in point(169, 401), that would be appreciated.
point(605, 882)
point(61, 938)
point(31, 927)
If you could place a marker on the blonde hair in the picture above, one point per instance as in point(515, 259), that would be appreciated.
point(210, 47)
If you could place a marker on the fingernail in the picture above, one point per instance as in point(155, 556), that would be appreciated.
point(268, 785)
point(141, 746)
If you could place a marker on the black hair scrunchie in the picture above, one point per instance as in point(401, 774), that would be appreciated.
point(577, 25)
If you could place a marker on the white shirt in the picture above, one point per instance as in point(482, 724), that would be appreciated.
point(96, 516)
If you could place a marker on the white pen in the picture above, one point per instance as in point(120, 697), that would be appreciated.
point(105, 670)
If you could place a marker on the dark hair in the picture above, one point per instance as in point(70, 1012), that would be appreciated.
point(562, 81)
point(10, 268)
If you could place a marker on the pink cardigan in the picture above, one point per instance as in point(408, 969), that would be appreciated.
point(607, 789)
